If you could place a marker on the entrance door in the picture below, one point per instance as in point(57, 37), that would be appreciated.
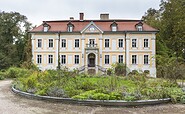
point(91, 60)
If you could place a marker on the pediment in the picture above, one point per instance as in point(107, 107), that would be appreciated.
point(91, 28)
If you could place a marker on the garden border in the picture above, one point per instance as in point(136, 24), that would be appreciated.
point(93, 102)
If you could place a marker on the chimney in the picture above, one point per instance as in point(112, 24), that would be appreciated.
point(81, 16)
point(104, 16)
point(71, 18)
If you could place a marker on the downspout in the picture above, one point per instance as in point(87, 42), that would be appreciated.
point(59, 50)
point(125, 52)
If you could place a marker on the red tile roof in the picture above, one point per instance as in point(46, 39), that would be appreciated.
point(104, 25)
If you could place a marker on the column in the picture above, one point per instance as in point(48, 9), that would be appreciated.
point(100, 50)
point(57, 53)
point(153, 69)
point(127, 51)
point(83, 50)
point(33, 47)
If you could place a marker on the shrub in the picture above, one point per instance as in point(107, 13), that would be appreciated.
point(2, 74)
point(120, 69)
point(100, 96)
point(14, 72)
point(55, 92)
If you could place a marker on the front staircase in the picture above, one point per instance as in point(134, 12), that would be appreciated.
point(92, 70)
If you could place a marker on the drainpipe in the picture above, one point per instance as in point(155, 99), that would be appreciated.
point(125, 52)
point(59, 50)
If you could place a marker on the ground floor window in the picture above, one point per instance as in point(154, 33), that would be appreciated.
point(106, 59)
point(120, 59)
point(145, 59)
point(39, 59)
point(63, 59)
point(50, 59)
point(76, 59)
point(134, 59)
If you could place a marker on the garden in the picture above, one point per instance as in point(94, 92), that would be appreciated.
point(71, 84)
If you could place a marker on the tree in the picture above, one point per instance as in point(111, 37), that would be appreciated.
point(13, 30)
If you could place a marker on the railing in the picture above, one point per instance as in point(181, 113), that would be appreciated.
point(102, 69)
point(82, 68)
point(91, 45)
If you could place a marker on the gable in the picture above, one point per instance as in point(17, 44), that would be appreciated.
point(91, 28)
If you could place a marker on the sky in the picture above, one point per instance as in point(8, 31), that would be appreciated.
point(43, 10)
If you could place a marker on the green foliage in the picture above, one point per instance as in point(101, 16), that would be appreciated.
point(15, 72)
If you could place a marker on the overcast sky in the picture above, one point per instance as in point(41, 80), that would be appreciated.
point(41, 10)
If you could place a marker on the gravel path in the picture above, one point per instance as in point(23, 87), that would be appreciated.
point(14, 104)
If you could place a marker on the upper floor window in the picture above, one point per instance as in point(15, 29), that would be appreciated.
point(134, 59)
point(39, 44)
point(145, 59)
point(120, 59)
point(114, 26)
point(77, 42)
point(145, 42)
point(46, 27)
point(106, 59)
point(39, 59)
point(50, 42)
point(63, 43)
point(120, 42)
point(70, 27)
point(139, 26)
point(106, 42)
point(50, 59)
point(63, 59)
point(134, 42)
point(77, 59)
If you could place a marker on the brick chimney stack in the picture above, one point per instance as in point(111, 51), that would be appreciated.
point(104, 16)
point(81, 16)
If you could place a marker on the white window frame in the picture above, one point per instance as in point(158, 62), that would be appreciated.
point(77, 59)
point(63, 43)
point(134, 59)
point(78, 43)
point(45, 28)
point(107, 43)
point(114, 28)
point(146, 59)
point(70, 29)
point(39, 59)
point(39, 43)
point(107, 59)
point(146, 43)
point(120, 43)
point(140, 28)
point(120, 58)
point(50, 59)
point(63, 59)
point(51, 44)
point(134, 43)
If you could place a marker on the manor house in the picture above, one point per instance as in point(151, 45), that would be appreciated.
point(94, 44)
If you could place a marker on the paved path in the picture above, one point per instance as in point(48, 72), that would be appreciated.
point(14, 104)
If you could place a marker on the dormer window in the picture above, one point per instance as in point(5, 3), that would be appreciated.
point(46, 27)
point(139, 26)
point(70, 27)
point(114, 26)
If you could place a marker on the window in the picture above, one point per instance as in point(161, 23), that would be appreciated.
point(145, 42)
point(63, 43)
point(76, 59)
point(39, 59)
point(134, 42)
point(106, 59)
point(145, 59)
point(114, 28)
point(120, 42)
point(45, 28)
point(134, 59)
point(63, 59)
point(106, 42)
point(76, 42)
point(139, 28)
point(50, 42)
point(120, 59)
point(39, 43)
point(70, 28)
point(50, 59)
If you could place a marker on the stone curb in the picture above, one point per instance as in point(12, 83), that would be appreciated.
point(93, 102)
